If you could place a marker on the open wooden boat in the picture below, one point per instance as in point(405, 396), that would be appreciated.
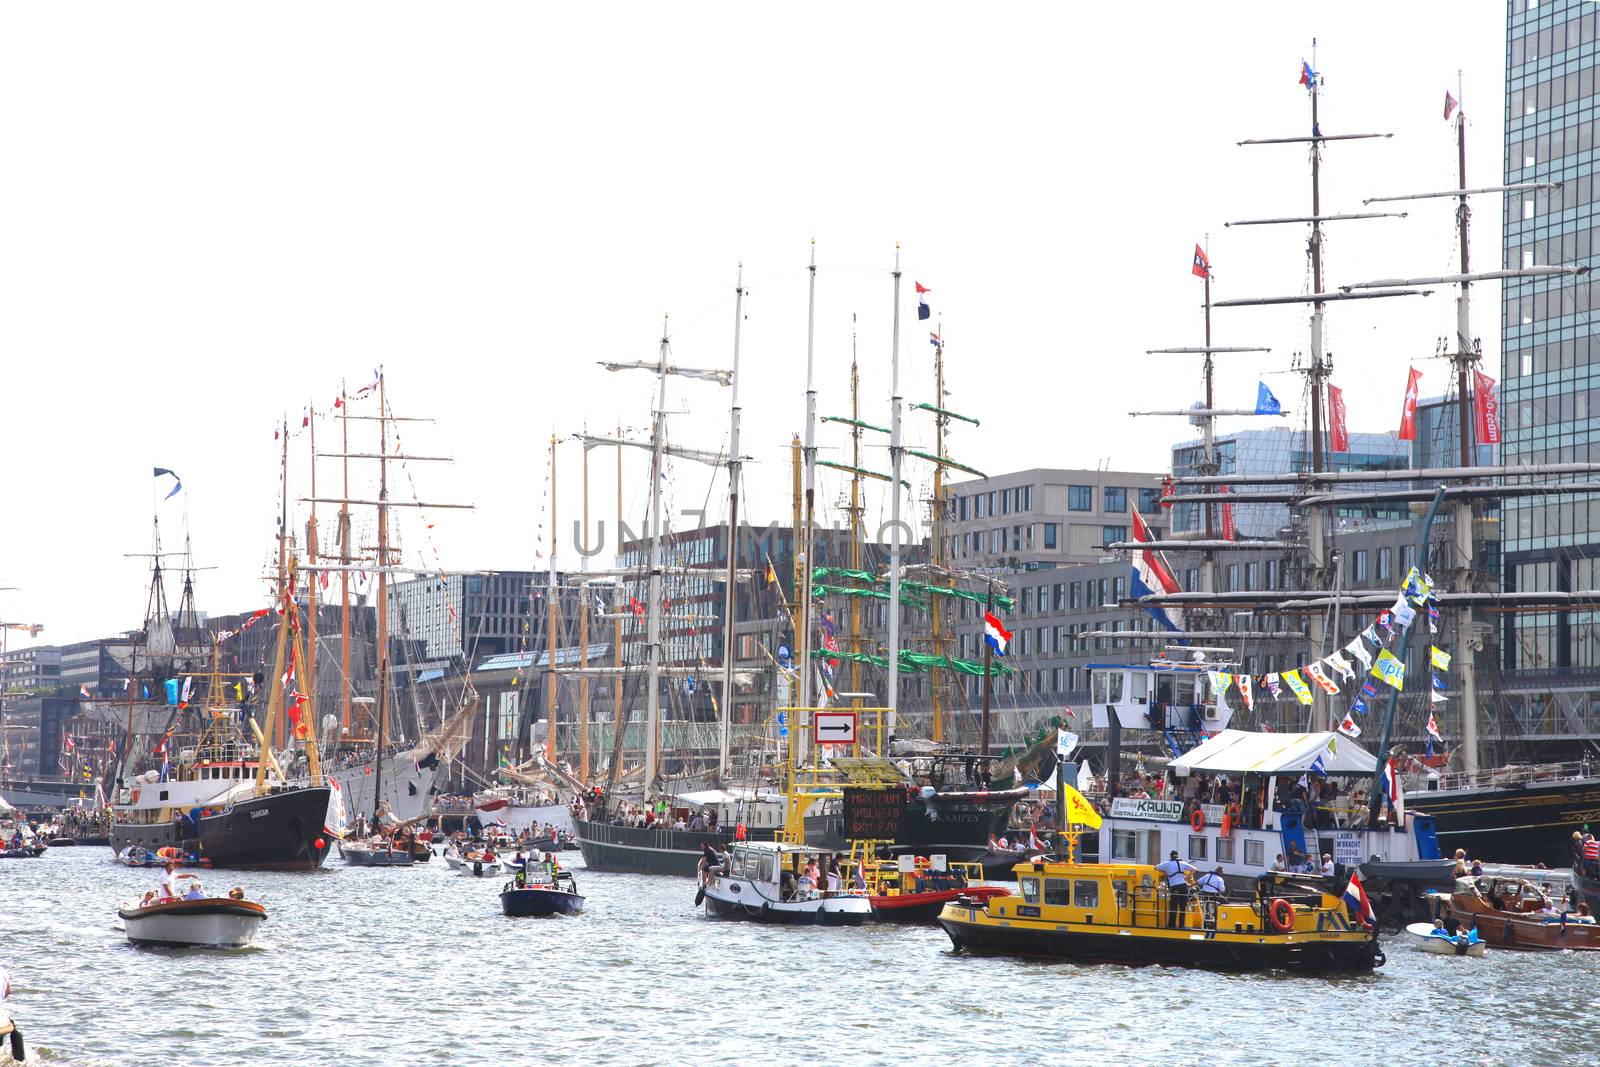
point(1430, 938)
point(1515, 913)
point(210, 922)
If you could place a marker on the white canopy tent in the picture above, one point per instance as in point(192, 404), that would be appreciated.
point(1247, 752)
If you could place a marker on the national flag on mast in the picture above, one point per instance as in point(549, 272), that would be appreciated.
point(1433, 728)
point(1151, 576)
point(1338, 432)
point(1202, 265)
point(1308, 77)
point(933, 339)
point(1266, 403)
point(177, 483)
point(1408, 408)
point(923, 311)
point(995, 633)
point(1450, 105)
point(1394, 792)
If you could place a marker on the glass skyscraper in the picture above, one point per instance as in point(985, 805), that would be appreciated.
point(1550, 388)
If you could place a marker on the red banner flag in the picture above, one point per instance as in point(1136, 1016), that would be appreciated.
point(1408, 408)
point(1202, 265)
point(1338, 433)
point(1228, 530)
point(1486, 407)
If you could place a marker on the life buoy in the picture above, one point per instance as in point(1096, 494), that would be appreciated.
point(1280, 913)
point(1197, 821)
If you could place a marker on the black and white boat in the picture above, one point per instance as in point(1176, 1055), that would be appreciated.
point(209, 922)
point(762, 882)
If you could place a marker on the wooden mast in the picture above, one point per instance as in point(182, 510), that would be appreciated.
point(309, 685)
point(730, 593)
point(857, 525)
point(936, 534)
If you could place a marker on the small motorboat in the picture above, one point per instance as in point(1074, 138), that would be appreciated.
point(542, 894)
point(474, 864)
point(375, 853)
point(1439, 941)
point(205, 922)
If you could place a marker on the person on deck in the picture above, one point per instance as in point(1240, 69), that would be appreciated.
point(1177, 886)
point(169, 887)
point(1213, 884)
point(1327, 865)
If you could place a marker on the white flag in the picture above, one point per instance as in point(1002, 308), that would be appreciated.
point(1359, 650)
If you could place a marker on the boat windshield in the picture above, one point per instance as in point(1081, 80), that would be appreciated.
point(1030, 890)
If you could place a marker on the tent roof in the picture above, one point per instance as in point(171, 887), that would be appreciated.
point(1248, 752)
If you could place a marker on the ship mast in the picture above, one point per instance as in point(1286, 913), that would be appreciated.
point(344, 563)
point(807, 534)
point(857, 515)
point(552, 595)
point(936, 538)
point(583, 636)
point(896, 462)
point(735, 467)
point(658, 433)
point(310, 684)
point(383, 600)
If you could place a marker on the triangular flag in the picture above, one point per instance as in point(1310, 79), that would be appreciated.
point(1242, 681)
point(1389, 668)
point(1298, 686)
point(1350, 727)
point(1440, 658)
point(1342, 665)
point(1438, 697)
point(1359, 651)
point(1320, 676)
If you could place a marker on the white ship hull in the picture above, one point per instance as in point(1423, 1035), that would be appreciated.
point(517, 818)
point(210, 923)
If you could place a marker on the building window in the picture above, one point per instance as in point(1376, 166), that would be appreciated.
point(1358, 565)
point(1072, 596)
point(1385, 564)
point(1224, 849)
point(961, 508)
point(1059, 601)
point(1252, 575)
point(1027, 601)
point(1016, 539)
point(1272, 574)
point(1027, 497)
point(1080, 498)
point(1233, 576)
point(1050, 529)
point(1253, 853)
point(1124, 844)
point(1112, 534)
point(1005, 501)
point(1197, 846)
point(1149, 501)
point(1116, 500)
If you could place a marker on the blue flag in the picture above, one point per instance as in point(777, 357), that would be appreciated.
point(1317, 768)
point(1266, 403)
point(176, 484)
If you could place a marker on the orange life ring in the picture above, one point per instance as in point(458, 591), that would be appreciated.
point(1280, 913)
point(1197, 821)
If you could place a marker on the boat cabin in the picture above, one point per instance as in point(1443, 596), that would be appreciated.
point(1135, 896)
point(1161, 695)
point(1246, 801)
point(776, 869)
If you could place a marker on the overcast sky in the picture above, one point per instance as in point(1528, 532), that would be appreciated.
point(213, 213)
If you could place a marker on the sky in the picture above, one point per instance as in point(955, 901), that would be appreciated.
point(214, 214)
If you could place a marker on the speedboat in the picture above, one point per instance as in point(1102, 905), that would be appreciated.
point(761, 882)
point(1440, 942)
point(542, 894)
point(474, 864)
point(204, 922)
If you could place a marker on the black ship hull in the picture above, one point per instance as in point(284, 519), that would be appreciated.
point(1520, 824)
point(1201, 952)
point(629, 850)
point(280, 831)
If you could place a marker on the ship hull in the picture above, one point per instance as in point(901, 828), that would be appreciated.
point(407, 787)
point(520, 817)
point(628, 850)
point(1523, 824)
point(279, 831)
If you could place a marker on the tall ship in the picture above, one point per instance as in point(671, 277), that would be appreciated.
point(937, 798)
point(1433, 713)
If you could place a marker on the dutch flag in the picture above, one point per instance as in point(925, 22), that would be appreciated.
point(1151, 576)
point(1355, 898)
point(994, 633)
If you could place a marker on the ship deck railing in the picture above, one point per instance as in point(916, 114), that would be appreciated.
point(1515, 774)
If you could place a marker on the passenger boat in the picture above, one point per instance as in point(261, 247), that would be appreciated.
point(914, 889)
point(210, 922)
point(1516, 913)
point(1440, 942)
point(1118, 913)
point(541, 893)
point(761, 883)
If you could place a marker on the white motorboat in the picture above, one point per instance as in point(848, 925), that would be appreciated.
point(762, 882)
point(1430, 938)
point(206, 922)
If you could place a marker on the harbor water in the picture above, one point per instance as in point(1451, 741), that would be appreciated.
point(368, 966)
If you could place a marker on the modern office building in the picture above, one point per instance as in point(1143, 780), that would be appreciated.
point(1550, 385)
point(1046, 516)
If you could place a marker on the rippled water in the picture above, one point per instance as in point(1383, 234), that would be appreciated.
point(418, 966)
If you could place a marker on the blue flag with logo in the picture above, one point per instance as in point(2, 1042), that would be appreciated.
point(1317, 768)
point(1266, 403)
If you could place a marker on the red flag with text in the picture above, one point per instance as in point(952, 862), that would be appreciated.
point(1228, 530)
point(1408, 408)
point(1486, 408)
point(1338, 432)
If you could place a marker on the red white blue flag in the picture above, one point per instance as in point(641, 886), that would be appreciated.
point(995, 633)
point(1151, 575)
point(1355, 898)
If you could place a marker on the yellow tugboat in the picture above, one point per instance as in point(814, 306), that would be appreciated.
point(1122, 913)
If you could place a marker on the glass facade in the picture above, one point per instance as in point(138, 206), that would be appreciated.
point(1550, 385)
